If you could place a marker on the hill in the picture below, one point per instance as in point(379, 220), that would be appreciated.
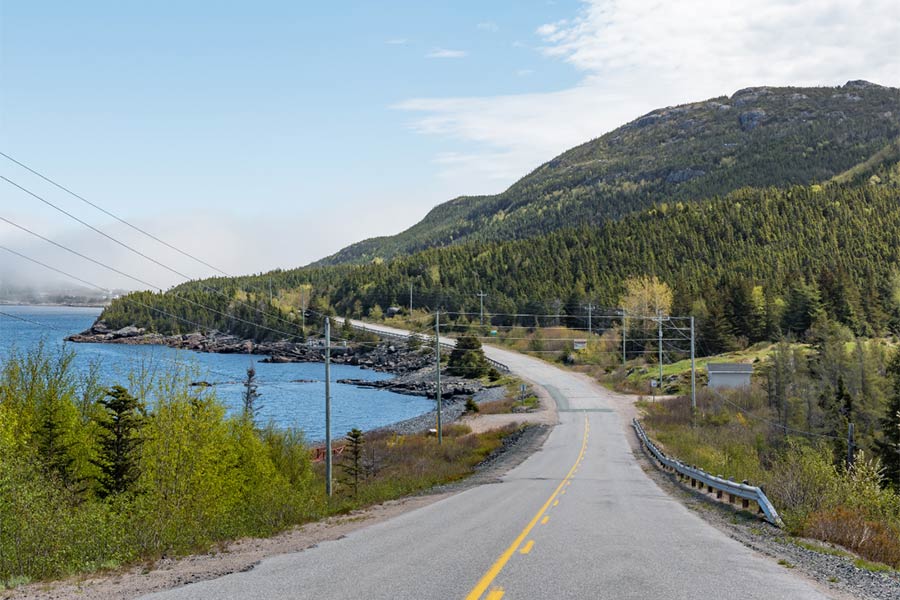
point(749, 265)
point(757, 137)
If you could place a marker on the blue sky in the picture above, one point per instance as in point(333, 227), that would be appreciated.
point(269, 134)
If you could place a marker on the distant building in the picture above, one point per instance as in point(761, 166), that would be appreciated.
point(729, 375)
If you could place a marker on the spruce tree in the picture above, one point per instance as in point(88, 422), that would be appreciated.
point(351, 460)
point(120, 424)
point(251, 395)
point(888, 446)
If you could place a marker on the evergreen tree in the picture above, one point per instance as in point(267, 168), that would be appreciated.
point(120, 424)
point(351, 460)
point(888, 446)
point(467, 359)
point(251, 395)
point(715, 330)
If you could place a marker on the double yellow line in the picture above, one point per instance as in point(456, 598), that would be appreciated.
point(495, 569)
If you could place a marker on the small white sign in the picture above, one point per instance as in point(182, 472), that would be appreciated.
point(653, 383)
point(579, 344)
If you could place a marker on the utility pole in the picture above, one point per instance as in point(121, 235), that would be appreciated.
point(850, 446)
point(589, 308)
point(437, 354)
point(693, 373)
point(410, 298)
point(328, 406)
point(659, 320)
point(481, 295)
point(624, 330)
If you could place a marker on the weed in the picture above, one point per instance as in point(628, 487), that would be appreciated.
point(786, 564)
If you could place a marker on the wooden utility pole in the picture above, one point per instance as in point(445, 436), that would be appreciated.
point(328, 406)
point(437, 371)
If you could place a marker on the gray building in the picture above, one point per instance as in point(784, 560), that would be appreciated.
point(729, 375)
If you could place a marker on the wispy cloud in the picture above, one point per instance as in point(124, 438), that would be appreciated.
point(489, 26)
point(642, 54)
point(446, 53)
point(397, 41)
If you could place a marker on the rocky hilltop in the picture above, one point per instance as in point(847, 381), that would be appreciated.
point(756, 137)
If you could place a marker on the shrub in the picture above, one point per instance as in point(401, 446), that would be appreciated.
point(874, 540)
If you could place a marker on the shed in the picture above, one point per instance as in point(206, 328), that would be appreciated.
point(729, 375)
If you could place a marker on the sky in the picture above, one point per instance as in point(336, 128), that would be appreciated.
point(261, 135)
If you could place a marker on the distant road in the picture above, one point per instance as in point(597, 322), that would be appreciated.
point(578, 519)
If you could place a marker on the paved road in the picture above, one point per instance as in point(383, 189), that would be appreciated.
point(578, 519)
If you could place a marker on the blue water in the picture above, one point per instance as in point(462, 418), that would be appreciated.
point(284, 401)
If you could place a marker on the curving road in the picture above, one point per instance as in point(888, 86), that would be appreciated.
point(578, 519)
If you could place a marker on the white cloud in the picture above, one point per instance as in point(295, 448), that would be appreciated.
point(639, 55)
point(446, 53)
point(489, 26)
point(397, 41)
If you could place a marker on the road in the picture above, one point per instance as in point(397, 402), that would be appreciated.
point(577, 519)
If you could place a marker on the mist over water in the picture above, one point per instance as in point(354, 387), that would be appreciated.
point(292, 394)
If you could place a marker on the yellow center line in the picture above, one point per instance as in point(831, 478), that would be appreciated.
point(555, 502)
point(495, 569)
point(545, 519)
point(495, 594)
point(527, 547)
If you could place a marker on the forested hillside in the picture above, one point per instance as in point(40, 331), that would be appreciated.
point(752, 265)
point(757, 137)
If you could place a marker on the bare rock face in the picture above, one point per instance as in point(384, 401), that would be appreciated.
point(751, 119)
point(861, 84)
point(682, 175)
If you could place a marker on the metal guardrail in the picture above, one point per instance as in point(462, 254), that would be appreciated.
point(398, 336)
point(700, 478)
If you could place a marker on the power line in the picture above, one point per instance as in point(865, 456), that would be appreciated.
point(24, 320)
point(79, 254)
point(137, 252)
point(94, 229)
point(114, 270)
point(114, 216)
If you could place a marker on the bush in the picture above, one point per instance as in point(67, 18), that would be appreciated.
point(874, 540)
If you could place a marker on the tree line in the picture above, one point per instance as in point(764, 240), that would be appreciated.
point(751, 266)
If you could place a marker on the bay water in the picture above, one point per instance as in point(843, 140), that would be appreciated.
point(291, 394)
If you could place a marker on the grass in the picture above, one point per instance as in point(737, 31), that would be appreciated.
point(875, 567)
point(820, 548)
point(399, 465)
point(786, 564)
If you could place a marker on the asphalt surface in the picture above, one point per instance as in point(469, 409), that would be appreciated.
point(578, 519)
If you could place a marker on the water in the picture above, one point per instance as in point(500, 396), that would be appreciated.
point(284, 400)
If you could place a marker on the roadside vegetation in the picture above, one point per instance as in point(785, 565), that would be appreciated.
point(95, 477)
point(789, 432)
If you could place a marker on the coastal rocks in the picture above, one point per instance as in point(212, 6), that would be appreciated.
point(387, 357)
point(420, 386)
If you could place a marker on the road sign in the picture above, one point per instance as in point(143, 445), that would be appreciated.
point(654, 383)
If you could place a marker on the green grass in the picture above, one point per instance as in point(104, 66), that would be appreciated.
point(820, 548)
point(875, 567)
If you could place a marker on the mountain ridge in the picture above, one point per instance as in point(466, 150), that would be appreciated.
point(757, 137)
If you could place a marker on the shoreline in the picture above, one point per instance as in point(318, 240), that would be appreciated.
point(413, 371)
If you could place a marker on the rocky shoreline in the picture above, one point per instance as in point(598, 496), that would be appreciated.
point(413, 369)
